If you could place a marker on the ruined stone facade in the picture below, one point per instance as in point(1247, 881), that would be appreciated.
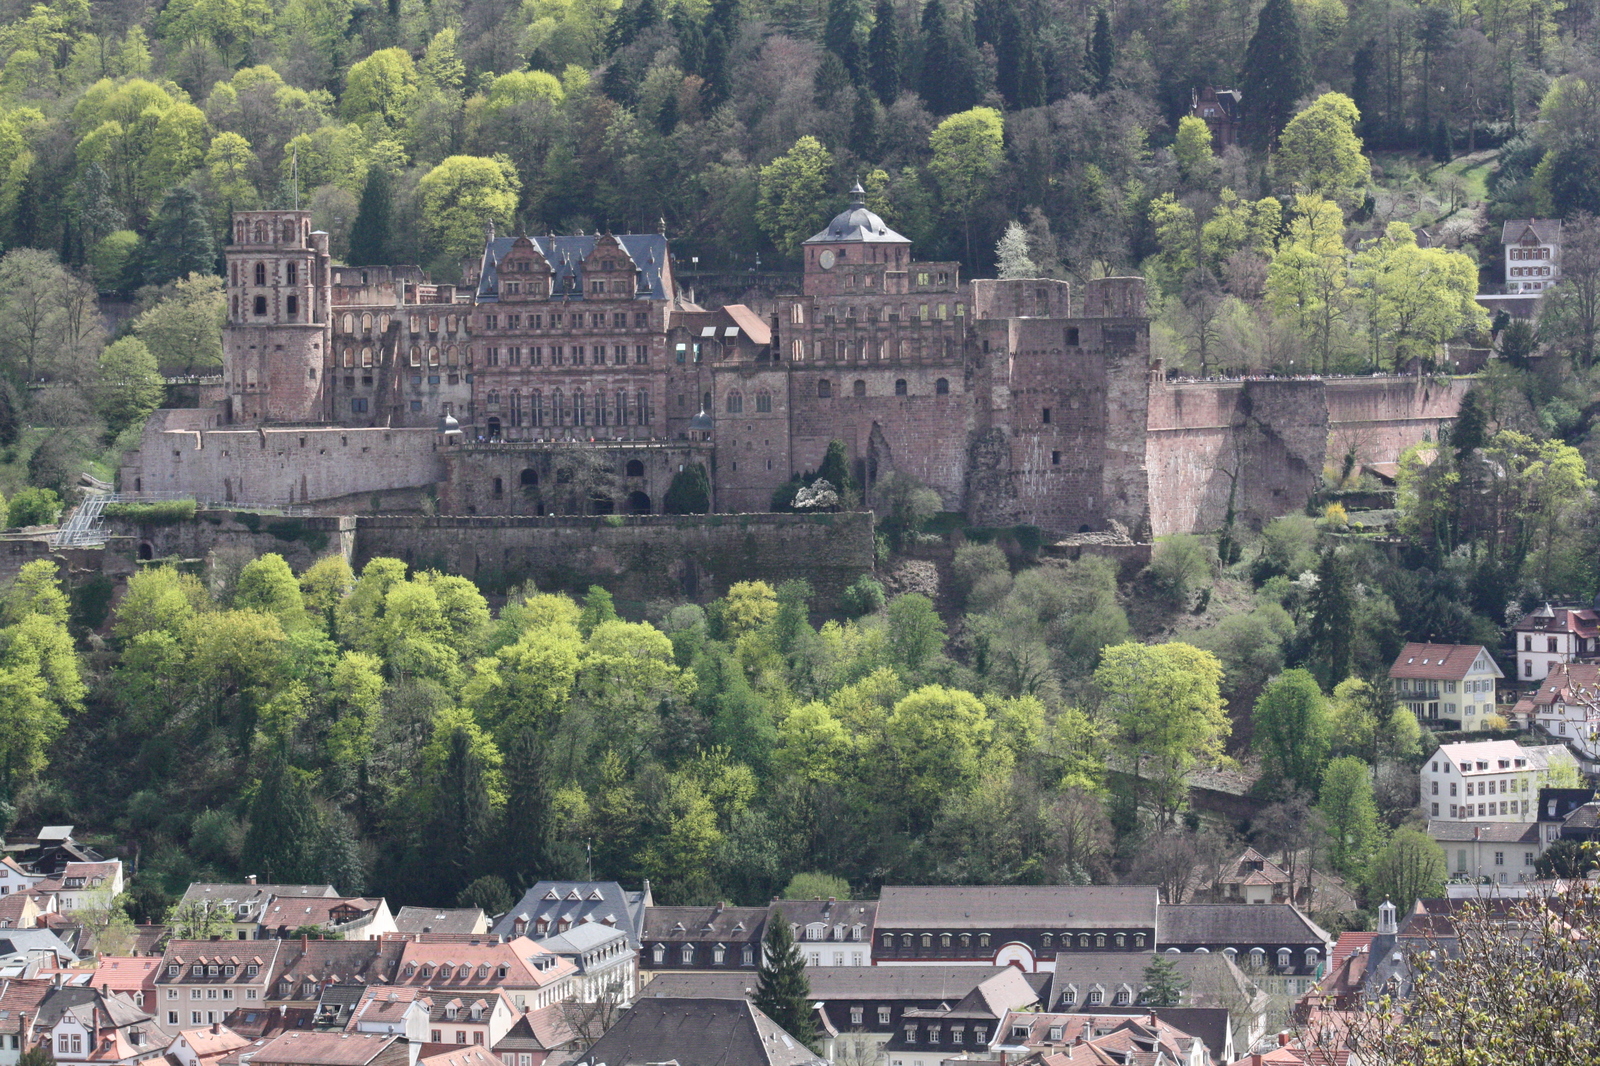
point(569, 374)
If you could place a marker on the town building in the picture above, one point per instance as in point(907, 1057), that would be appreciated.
point(1491, 780)
point(552, 1035)
point(20, 1000)
point(477, 1017)
point(532, 975)
point(78, 1024)
point(1149, 1036)
point(1010, 925)
point(1447, 686)
point(552, 907)
point(1276, 945)
point(235, 910)
point(469, 920)
point(319, 1048)
point(701, 938)
point(132, 975)
point(607, 967)
point(927, 1036)
point(1566, 706)
point(1220, 108)
point(200, 981)
point(1553, 635)
point(80, 884)
point(697, 1032)
point(1532, 253)
point(13, 878)
point(204, 1047)
point(829, 932)
point(1502, 852)
point(400, 1011)
point(349, 919)
point(1254, 878)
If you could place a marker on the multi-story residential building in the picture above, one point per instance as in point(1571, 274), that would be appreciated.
point(553, 907)
point(386, 1009)
point(1010, 925)
point(78, 1024)
point(1447, 685)
point(442, 920)
point(132, 975)
point(201, 981)
point(237, 909)
point(204, 1047)
point(928, 1036)
point(1491, 780)
point(702, 938)
point(479, 1018)
point(80, 884)
point(19, 1013)
point(306, 968)
point(532, 975)
point(697, 1032)
point(13, 878)
point(829, 932)
point(1275, 944)
point(1553, 635)
point(1117, 1038)
point(607, 967)
point(1566, 706)
point(1533, 253)
point(1503, 852)
point(349, 919)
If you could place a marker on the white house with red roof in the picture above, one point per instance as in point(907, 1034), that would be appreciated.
point(531, 974)
point(205, 1047)
point(1567, 706)
point(1447, 685)
point(387, 1009)
point(132, 975)
point(1554, 635)
point(13, 878)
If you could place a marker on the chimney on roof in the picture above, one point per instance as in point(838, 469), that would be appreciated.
point(216, 1027)
point(249, 879)
point(1283, 1038)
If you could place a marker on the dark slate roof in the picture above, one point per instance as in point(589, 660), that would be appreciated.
point(566, 255)
point(577, 902)
point(697, 924)
point(1235, 924)
point(855, 984)
point(1017, 907)
point(856, 223)
point(1214, 979)
point(697, 1032)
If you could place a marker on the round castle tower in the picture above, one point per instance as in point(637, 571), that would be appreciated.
point(277, 341)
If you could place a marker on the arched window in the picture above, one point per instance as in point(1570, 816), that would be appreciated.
point(927, 940)
point(1285, 957)
point(634, 468)
point(288, 231)
point(1047, 940)
point(1312, 957)
point(1099, 940)
point(900, 386)
point(1121, 940)
point(558, 409)
point(383, 323)
point(493, 399)
point(824, 389)
point(366, 356)
point(416, 356)
point(1258, 957)
point(735, 402)
point(983, 940)
point(580, 415)
point(366, 323)
point(944, 940)
point(451, 356)
point(529, 478)
point(941, 387)
point(261, 233)
point(858, 388)
point(261, 273)
point(433, 355)
point(1083, 940)
point(905, 940)
point(644, 407)
point(416, 323)
point(349, 357)
point(238, 232)
point(763, 402)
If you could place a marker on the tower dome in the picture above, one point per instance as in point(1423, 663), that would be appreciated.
point(857, 223)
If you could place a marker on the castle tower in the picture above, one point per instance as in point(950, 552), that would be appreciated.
point(856, 254)
point(1387, 923)
point(276, 344)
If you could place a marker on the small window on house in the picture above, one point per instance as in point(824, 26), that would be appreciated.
point(900, 387)
point(941, 387)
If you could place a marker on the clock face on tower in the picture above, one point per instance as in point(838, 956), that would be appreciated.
point(825, 260)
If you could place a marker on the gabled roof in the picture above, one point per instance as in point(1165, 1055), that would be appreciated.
point(18, 997)
point(460, 1056)
point(697, 1032)
point(1214, 979)
point(386, 1004)
point(1541, 230)
point(1579, 621)
point(125, 973)
point(213, 1041)
point(566, 256)
point(545, 1029)
point(1233, 924)
point(1567, 683)
point(704, 924)
point(240, 954)
point(339, 961)
point(1444, 662)
point(993, 907)
point(476, 965)
point(303, 911)
point(1446, 831)
point(330, 1049)
point(26, 941)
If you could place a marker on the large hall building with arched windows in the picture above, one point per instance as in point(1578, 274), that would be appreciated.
point(570, 374)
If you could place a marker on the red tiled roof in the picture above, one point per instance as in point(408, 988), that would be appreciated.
point(125, 973)
point(1563, 683)
point(1442, 661)
point(1346, 946)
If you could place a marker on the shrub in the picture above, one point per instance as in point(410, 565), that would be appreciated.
point(974, 562)
point(1334, 516)
point(155, 513)
point(864, 596)
point(34, 507)
point(1180, 565)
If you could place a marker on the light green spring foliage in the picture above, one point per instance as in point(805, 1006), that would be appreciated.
point(1319, 152)
point(794, 193)
point(40, 679)
point(464, 192)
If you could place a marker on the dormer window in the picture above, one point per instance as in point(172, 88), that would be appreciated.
point(197, 970)
point(449, 1014)
point(211, 971)
point(251, 970)
point(172, 970)
point(1095, 997)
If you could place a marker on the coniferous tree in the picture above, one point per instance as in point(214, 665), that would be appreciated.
point(98, 214)
point(717, 87)
point(883, 53)
point(1102, 57)
point(339, 855)
point(942, 75)
point(369, 233)
point(1332, 621)
point(181, 243)
point(839, 34)
point(1442, 150)
point(528, 832)
point(1275, 73)
point(460, 821)
point(285, 835)
point(25, 218)
point(782, 991)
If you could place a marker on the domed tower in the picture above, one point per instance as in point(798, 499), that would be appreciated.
point(276, 343)
point(857, 253)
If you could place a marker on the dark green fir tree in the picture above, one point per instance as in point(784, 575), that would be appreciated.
point(1102, 56)
point(782, 991)
point(285, 841)
point(181, 243)
point(1275, 74)
point(370, 242)
point(839, 34)
point(883, 53)
point(1163, 984)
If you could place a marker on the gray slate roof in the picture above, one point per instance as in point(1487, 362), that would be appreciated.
point(856, 223)
point(697, 1032)
point(578, 901)
point(24, 941)
point(566, 255)
point(1017, 907)
point(440, 920)
point(1547, 230)
point(1235, 924)
point(1447, 830)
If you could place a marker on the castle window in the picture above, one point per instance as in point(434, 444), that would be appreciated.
point(358, 406)
point(763, 402)
point(941, 387)
point(261, 233)
point(1072, 336)
point(580, 416)
point(349, 323)
point(261, 273)
point(433, 355)
point(291, 273)
point(824, 388)
point(366, 323)
point(366, 357)
point(416, 356)
point(498, 488)
point(900, 387)
point(644, 407)
point(349, 357)
point(735, 403)
point(858, 389)
point(291, 305)
point(1044, 416)
point(261, 305)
